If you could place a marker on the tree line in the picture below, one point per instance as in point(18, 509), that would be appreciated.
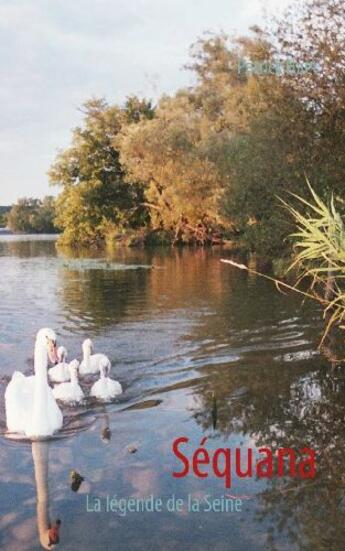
point(3, 212)
point(208, 163)
point(30, 215)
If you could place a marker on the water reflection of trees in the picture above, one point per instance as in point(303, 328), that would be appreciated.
point(286, 404)
point(275, 400)
point(277, 392)
point(312, 512)
point(96, 298)
point(294, 410)
point(257, 356)
point(28, 248)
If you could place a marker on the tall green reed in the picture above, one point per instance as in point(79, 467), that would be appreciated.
point(319, 245)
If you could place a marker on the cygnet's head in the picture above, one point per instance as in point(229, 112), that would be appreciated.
point(61, 353)
point(47, 337)
point(87, 345)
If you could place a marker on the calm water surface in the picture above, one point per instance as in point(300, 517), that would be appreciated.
point(179, 327)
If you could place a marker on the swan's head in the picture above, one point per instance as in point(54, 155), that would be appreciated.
point(73, 368)
point(47, 338)
point(104, 367)
point(87, 346)
point(61, 353)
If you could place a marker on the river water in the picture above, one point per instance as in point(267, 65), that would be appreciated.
point(201, 350)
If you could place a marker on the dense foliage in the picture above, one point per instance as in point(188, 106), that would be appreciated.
point(209, 162)
point(298, 132)
point(32, 216)
point(95, 198)
point(3, 215)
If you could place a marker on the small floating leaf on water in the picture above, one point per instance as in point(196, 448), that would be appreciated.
point(132, 448)
point(76, 480)
point(214, 410)
point(75, 476)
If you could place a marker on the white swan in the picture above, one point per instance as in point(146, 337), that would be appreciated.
point(60, 372)
point(105, 388)
point(31, 408)
point(91, 362)
point(70, 393)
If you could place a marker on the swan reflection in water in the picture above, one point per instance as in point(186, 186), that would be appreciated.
point(48, 531)
point(105, 428)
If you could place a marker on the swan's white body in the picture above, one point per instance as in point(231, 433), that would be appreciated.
point(105, 388)
point(31, 408)
point(70, 393)
point(91, 362)
point(60, 372)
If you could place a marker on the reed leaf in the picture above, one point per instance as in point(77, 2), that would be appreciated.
point(319, 244)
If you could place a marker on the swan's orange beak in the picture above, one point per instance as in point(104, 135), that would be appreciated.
point(52, 352)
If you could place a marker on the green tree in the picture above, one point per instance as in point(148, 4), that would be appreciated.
point(185, 155)
point(168, 154)
point(30, 215)
point(3, 215)
point(211, 160)
point(95, 198)
point(299, 129)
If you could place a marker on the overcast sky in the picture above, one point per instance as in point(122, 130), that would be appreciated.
point(54, 54)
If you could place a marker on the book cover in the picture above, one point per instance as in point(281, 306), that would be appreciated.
point(172, 260)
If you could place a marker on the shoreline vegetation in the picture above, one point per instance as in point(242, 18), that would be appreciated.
point(30, 215)
point(205, 166)
point(4, 210)
point(319, 262)
point(208, 164)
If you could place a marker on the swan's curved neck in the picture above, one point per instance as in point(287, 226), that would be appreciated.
point(41, 360)
point(87, 355)
point(39, 411)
